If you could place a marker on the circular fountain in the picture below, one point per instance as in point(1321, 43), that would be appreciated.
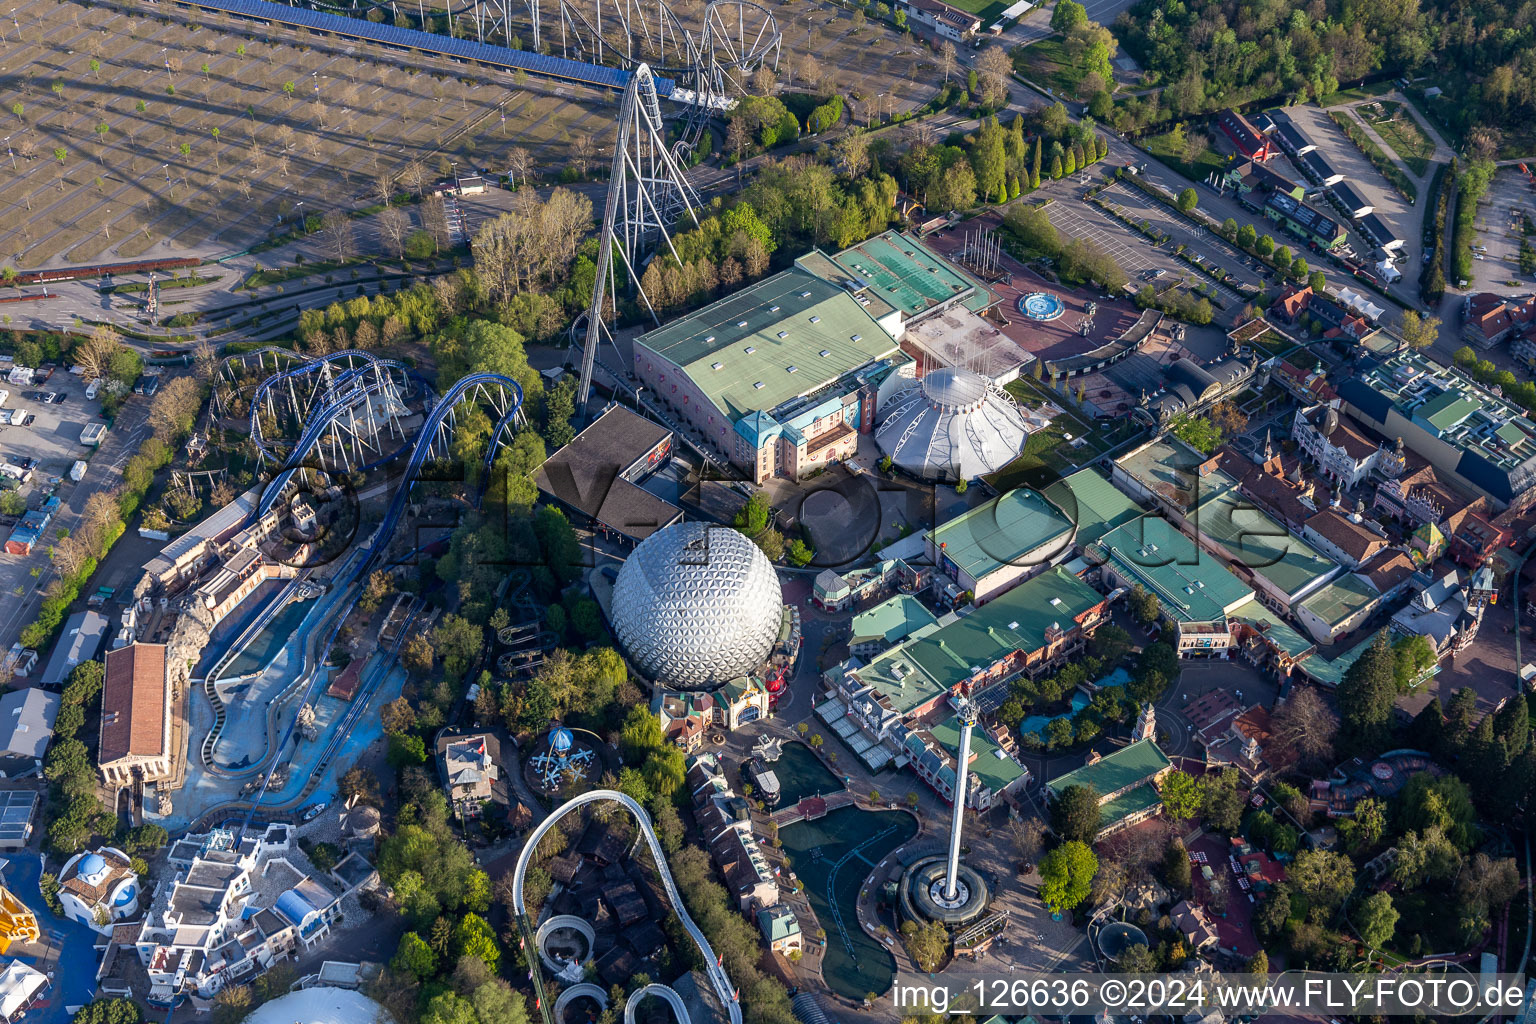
point(1042, 306)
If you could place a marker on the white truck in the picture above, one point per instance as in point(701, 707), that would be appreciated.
point(92, 388)
point(77, 471)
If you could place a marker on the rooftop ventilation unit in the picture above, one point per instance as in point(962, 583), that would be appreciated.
point(815, 319)
point(751, 349)
point(717, 366)
point(759, 384)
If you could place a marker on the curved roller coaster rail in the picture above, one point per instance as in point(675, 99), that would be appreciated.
point(718, 979)
point(432, 440)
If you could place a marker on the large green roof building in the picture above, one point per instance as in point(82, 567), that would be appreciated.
point(780, 376)
point(996, 545)
point(1125, 782)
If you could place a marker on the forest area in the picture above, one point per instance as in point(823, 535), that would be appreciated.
point(1210, 54)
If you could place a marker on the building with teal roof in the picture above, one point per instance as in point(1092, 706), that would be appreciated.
point(780, 377)
point(1340, 607)
point(1329, 671)
point(1473, 438)
point(993, 773)
point(1126, 784)
point(910, 277)
point(1001, 543)
point(1196, 593)
point(1281, 567)
point(1093, 504)
point(1030, 630)
point(887, 623)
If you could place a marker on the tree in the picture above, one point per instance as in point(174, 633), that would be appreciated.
point(1228, 418)
point(337, 236)
point(1066, 873)
point(393, 223)
point(1265, 246)
point(414, 956)
point(1220, 802)
point(1419, 332)
point(1137, 958)
point(1426, 856)
point(927, 943)
point(1366, 695)
point(1144, 604)
point(1304, 727)
point(1412, 657)
point(1181, 795)
point(232, 1004)
point(117, 1010)
point(1196, 431)
point(1323, 878)
point(947, 59)
point(449, 1008)
point(1318, 282)
point(1376, 919)
point(1026, 834)
point(1068, 15)
point(1246, 236)
point(1364, 829)
point(1075, 814)
point(473, 937)
point(1176, 870)
point(1187, 200)
point(459, 642)
point(417, 656)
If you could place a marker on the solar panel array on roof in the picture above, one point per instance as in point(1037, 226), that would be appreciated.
point(16, 809)
point(466, 49)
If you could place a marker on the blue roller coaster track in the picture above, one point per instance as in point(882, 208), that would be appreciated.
point(361, 30)
point(358, 566)
point(351, 386)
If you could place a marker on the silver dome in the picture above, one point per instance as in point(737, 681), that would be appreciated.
point(953, 424)
point(696, 605)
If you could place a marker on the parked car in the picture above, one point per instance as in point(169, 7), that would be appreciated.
point(32, 396)
point(59, 398)
point(48, 397)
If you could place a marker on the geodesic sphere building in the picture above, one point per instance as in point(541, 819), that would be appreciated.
point(695, 606)
point(952, 424)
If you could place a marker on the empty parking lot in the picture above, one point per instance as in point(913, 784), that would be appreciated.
point(1501, 221)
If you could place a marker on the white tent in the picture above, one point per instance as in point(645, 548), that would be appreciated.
point(1360, 304)
point(1388, 272)
point(18, 985)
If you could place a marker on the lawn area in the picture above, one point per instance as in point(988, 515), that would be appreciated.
point(1400, 130)
point(1333, 99)
point(986, 10)
point(1045, 63)
point(1048, 453)
point(1168, 149)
